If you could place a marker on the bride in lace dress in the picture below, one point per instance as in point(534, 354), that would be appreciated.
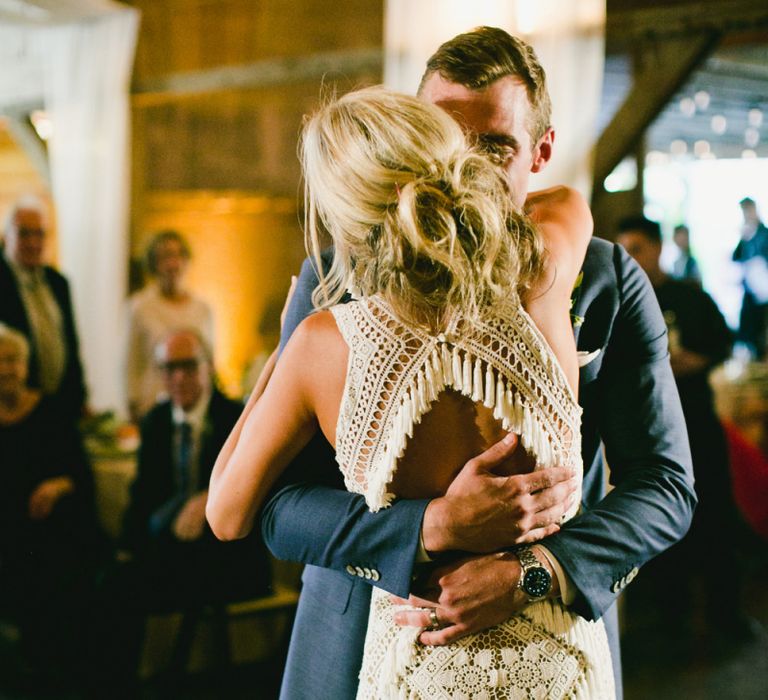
point(458, 333)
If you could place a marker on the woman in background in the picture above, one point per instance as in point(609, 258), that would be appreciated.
point(162, 306)
point(49, 539)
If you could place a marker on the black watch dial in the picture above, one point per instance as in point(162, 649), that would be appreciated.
point(537, 582)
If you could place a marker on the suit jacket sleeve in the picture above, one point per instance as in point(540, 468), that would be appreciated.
point(343, 532)
point(706, 331)
point(73, 389)
point(636, 410)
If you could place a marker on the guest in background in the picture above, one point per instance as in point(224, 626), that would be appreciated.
point(171, 559)
point(49, 540)
point(162, 306)
point(752, 253)
point(685, 266)
point(699, 340)
point(35, 299)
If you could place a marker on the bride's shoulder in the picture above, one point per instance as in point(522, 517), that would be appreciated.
point(561, 212)
point(317, 325)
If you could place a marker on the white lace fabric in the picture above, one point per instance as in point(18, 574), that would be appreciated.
point(395, 372)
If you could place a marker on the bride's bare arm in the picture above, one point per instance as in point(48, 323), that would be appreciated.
point(271, 431)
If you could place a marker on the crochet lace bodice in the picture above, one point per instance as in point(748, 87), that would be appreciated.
point(396, 371)
point(394, 374)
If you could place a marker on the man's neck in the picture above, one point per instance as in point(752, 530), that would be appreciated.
point(194, 413)
point(20, 267)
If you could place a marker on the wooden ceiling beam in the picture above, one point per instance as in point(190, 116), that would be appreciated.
point(281, 71)
point(625, 27)
point(664, 72)
point(666, 67)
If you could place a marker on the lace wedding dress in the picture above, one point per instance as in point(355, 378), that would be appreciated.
point(394, 374)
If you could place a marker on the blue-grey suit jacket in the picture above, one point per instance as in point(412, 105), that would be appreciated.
point(630, 403)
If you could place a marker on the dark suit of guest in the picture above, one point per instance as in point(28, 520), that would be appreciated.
point(204, 569)
point(46, 564)
point(71, 392)
point(696, 325)
point(166, 574)
point(630, 403)
point(753, 317)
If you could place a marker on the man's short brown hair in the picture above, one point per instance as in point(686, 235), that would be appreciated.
point(484, 55)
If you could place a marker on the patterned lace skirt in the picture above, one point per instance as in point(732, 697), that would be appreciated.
point(545, 652)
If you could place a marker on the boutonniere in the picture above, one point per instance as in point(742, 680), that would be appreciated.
point(576, 320)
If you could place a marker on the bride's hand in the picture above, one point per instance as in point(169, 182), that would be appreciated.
point(468, 596)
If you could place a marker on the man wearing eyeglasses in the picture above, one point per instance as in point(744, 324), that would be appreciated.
point(172, 561)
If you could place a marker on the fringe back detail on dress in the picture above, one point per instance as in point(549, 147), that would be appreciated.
point(395, 372)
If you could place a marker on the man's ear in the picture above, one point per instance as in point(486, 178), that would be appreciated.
point(543, 151)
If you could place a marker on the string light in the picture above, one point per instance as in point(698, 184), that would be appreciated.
point(700, 148)
point(687, 106)
point(678, 147)
point(751, 137)
point(701, 98)
point(719, 124)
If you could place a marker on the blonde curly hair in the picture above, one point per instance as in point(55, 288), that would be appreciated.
point(415, 213)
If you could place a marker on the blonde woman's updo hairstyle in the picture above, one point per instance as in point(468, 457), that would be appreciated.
point(416, 215)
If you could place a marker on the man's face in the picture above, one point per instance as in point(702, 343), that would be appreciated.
point(749, 212)
point(645, 251)
point(498, 116)
point(680, 237)
point(186, 371)
point(25, 239)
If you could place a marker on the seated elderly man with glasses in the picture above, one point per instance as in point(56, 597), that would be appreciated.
point(170, 559)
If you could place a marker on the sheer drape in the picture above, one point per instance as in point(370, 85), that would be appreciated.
point(80, 54)
point(568, 36)
point(87, 68)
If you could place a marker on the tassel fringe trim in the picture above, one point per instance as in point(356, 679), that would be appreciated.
point(460, 371)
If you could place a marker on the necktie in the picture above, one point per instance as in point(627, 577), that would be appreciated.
point(184, 458)
point(48, 339)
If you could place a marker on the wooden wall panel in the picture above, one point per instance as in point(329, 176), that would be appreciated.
point(221, 166)
point(185, 35)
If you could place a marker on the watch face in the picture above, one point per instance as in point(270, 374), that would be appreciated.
point(537, 582)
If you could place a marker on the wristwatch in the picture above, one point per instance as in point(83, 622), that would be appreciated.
point(535, 580)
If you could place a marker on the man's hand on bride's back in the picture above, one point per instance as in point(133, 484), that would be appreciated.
point(485, 512)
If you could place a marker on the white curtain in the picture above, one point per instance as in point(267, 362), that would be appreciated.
point(85, 49)
point(568, 36)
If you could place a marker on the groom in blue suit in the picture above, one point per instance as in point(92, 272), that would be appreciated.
point(492, 83)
